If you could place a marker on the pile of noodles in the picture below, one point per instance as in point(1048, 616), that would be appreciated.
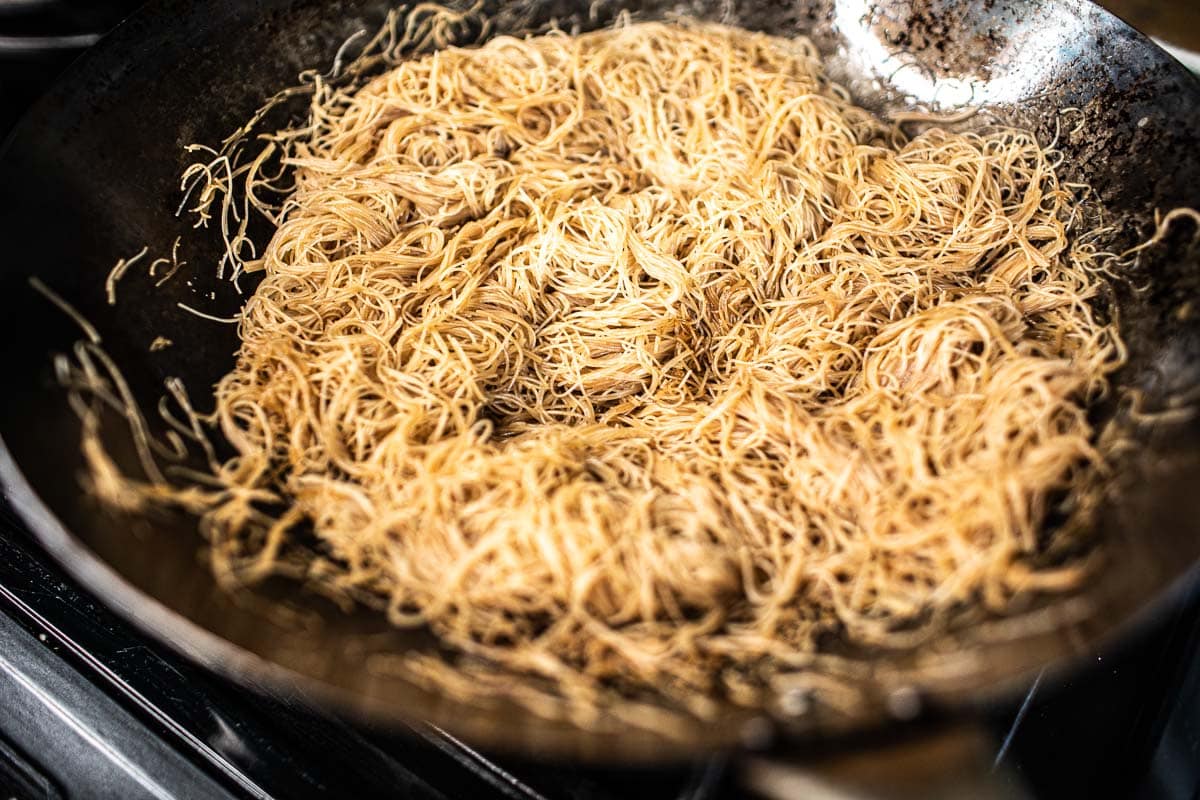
point(644, 362)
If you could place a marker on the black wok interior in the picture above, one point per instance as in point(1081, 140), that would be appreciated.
point(91, 175)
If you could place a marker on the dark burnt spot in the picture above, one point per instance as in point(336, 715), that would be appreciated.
point(948, 38)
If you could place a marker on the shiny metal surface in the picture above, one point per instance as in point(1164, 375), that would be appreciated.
point(91, 740)
point(91, 176)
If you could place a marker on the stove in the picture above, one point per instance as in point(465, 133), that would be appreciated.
point(92, 708)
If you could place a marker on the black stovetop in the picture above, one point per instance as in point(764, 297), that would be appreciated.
point(90, 707)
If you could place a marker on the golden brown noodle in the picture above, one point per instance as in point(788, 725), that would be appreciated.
point(643, 360)
point(118, 272)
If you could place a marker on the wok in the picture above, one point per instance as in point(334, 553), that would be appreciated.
point(91, 176)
